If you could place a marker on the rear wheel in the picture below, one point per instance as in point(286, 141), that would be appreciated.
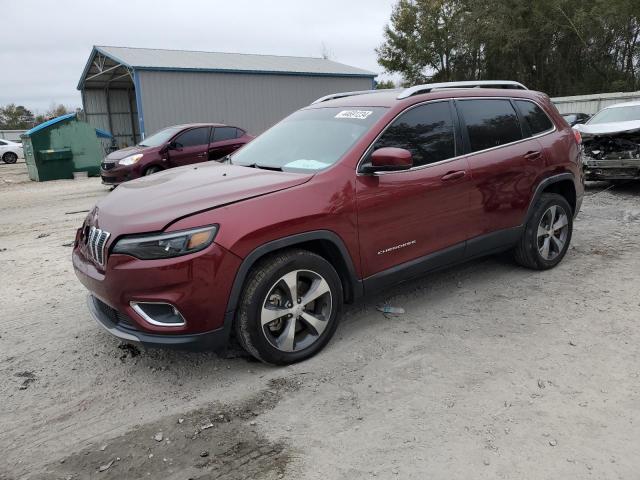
point(151, 170)
point(547, 234)
point(289, 308)
point(10, 157)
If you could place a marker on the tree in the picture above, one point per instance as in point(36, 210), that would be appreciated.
point(15, 117)
point(383, 84)
point(56, 111)
point(325, 52)
point(558, 46)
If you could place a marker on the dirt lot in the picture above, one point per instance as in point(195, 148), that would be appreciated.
point(493, 372)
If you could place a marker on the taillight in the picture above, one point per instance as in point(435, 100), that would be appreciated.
point(577, 136)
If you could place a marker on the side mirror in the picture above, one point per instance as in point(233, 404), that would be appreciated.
point(389, 159)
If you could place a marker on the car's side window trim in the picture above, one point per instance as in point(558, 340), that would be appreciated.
point(183, 132)
point(524, 123)
point(454, 120)
point(457, 130)
point(542, 134)
point(368, 150)
point(465, 130)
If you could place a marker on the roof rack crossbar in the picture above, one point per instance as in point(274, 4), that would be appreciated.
point(342, 95)
point(418, 89)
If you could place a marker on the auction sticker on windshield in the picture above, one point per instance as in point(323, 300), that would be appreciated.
point(357, 114)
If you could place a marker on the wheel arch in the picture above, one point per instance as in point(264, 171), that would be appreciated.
point(325, 243)
point(152, 165)
point(562, 184)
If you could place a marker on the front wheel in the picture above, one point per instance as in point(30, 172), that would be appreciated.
point(290, 307)
point(10, 157)
point(547, 234)
point(151, 170)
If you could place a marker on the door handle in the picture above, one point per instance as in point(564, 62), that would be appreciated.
point(533, 155)
point(453, 175)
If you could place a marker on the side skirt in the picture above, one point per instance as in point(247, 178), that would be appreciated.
point(489, 244)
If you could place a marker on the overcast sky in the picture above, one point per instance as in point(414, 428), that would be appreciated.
point(44, 45)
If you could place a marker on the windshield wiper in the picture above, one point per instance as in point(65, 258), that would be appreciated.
point(261, 167)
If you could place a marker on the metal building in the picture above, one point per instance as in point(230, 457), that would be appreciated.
point(592, 103)
point(131, 92)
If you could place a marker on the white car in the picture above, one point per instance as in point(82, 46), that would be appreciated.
point(611, 143)
point(10, 151)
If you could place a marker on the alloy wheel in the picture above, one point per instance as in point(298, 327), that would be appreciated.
point(296, 310)
point(553, 231)
point(10, 157)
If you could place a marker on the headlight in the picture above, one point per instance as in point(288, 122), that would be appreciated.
point(131, 159)
point(166, 245)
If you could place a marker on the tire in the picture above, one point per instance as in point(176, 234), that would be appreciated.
point(267, 286)
point(10, 157)
point(151, 170)
point(530, 251)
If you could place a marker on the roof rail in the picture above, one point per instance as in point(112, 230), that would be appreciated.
point(508, 84)
point(344, 94)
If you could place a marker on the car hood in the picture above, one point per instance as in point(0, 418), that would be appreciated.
point(608, 128)
point(125, 152)
point(149, 204)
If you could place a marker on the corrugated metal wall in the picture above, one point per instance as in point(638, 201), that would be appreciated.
point(11, 135)
point(124, 121)
point(250, 101)
point(592, 103)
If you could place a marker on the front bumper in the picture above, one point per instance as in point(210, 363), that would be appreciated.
point(620, 169)
point(117, 325)
point(119, 174)
point(197, 285)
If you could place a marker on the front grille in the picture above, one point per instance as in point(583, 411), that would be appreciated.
point(108, 166)
point(114, 315)
point(96, 243)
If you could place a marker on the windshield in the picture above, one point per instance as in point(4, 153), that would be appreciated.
point(616, 114)
point(160, 138)
point(311, 139)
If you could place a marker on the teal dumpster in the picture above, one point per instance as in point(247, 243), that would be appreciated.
point(55, 149)
point(50, 165)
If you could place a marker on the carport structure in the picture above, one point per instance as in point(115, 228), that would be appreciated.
point(109, 97)
point(133, 92)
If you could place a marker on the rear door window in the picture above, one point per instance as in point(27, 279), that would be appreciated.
point(489, 123)
point(426, 131)
point(193, 137)
point(534, 117)
point(224, 133)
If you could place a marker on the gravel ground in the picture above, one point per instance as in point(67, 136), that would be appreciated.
point(493, 372)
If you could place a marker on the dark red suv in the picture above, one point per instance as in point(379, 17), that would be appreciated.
point(172, 147)
point(354, 193)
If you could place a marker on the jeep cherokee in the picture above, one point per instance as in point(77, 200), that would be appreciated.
point(356, 192)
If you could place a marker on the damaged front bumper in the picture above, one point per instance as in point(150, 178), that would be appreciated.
point(610, 169)
point(610, 154)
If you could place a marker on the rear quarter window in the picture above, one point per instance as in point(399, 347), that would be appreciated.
point(534, 117)
point(489, 123)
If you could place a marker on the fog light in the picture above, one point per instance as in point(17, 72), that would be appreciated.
point(157, 313)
